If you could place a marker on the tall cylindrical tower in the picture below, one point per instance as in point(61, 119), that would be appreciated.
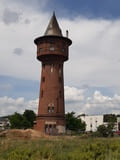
point(52, 51)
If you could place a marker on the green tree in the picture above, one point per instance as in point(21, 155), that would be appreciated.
point(30, 116)
point(112, 118)
point(105, 131)
point(102, 131)
point(16, 120)
point(24, 121)
point(74, 123)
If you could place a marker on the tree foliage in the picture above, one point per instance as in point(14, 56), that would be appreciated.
point(112, 118)
point(105, 131)
point(74, 123)
point(22, 121)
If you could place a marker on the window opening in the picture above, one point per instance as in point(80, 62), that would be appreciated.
point(51, 68)
point(60, 79)
point(42, 93)
point(43, 65)
point(52, 48)
point(43, 79)
point(40, 49)
point(60, 93)
point(52, 109)
point(49, 109)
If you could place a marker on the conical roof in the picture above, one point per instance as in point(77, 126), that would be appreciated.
point(53, 28)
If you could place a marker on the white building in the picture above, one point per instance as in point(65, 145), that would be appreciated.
point(4, 124)
point(92, 122)
point(118, 123)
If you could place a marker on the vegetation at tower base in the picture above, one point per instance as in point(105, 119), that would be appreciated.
point(60, 148)
point(74, 123)
point(22, 121)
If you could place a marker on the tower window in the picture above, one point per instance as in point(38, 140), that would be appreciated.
point(52, 48)
point(43, 79)
point(63, 49)
point(42, 93)
point(49, 110)
point(40, 49)
point(60, 79)
point(51, 69)
point(60, 93)
point(43, 65)
point(52, 109)
point(59, 71)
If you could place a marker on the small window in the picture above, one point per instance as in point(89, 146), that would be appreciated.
point(52, 48)
point(60, 79)
point(59, 71)
point(60, 93)
point(43, 65)
point(63, 49)
point(42, 93)
point(51, 69)
point(49, 110)
point(40, 49)
point(52, 109)
point(43, 79)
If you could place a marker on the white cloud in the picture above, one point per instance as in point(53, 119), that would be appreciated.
point(73, 94)
point(75, 101)
point(10, 105)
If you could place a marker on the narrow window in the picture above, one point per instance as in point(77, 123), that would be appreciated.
point(42, 93)
point(60, 79)
point(40, 49)
point(51, 68)
point(63, 49)
point(43, 79)
point(49, 110)
point(52, 109)
point(60, 93)
point(43, 65)
point(59, 71)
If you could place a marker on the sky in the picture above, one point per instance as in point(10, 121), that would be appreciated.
point(91, 76)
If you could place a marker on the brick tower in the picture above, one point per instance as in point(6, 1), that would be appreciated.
point(52, 51)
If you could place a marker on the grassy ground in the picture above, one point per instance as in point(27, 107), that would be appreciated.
point(60, 148)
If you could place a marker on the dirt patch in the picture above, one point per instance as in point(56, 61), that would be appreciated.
point(19, 133)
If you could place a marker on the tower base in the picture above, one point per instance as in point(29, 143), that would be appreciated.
point(50, 126)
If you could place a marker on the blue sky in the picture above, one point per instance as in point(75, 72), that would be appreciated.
point(89, 8)
point(94, 27)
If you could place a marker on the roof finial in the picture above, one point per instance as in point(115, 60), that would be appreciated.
point(53, 13)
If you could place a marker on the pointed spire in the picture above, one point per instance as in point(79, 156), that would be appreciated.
point(53, 28)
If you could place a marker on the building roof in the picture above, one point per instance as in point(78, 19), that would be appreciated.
point(53, 28)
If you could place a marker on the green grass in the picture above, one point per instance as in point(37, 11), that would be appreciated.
point(60, 148)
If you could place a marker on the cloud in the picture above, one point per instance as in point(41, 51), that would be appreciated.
point(10, 105)
point(18, 51)
point(27, 21)
point(94, 53)
point(73, 94)
point(10, 16)
point(76, 100)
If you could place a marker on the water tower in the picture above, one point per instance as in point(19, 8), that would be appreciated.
point(52, 51)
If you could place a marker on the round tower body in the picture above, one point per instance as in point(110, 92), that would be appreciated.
point(52, 51)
